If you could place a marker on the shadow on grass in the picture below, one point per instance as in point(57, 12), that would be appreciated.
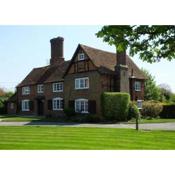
point(54, 123)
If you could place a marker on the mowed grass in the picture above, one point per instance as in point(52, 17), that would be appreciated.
point(74, 138)
point(153, 120)
point(14, 118)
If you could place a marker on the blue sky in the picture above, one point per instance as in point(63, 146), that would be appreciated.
point(24, 47)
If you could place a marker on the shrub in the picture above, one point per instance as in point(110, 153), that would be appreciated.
point(69, 112)
point(151, 109)
point(92, 118)
point(133, 111)
point(115, 106)
point(79, 118)
point(168, 111)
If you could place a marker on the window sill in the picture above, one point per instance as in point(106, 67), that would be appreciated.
point(57, 91)
point(57, 109)
point(81, 88)
point(82, 112)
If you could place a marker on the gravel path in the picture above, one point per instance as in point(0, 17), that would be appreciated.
point(151, 126)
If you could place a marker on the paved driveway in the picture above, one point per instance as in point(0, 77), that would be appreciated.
point(153, 126)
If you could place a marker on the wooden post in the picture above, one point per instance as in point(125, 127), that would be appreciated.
point(137, 123)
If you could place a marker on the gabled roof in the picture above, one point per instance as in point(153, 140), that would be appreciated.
point(103, 60)
point(57, 74)
point(107, 60)
point(45, 74)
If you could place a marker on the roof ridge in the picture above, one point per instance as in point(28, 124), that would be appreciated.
point(97, 49)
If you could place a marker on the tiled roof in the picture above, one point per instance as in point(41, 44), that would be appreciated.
point(103, 59)
point(45, 74)
point(57, 74)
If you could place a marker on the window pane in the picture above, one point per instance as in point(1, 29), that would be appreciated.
point(81, 83)
point(77, 83)
point(86, 106)
point(82, 106)
point(86, 82)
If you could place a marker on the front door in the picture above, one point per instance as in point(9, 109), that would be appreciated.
point(40, 107)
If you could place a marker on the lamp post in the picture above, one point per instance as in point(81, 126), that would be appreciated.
point(139, 105)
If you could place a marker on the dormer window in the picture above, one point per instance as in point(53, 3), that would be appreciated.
point(81, 56)
point(40, 88)
point(26, 90)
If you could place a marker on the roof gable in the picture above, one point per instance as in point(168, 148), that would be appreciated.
point(104, 59)
point(75, 56)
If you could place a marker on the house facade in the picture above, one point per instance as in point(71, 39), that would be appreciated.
point(77, 83)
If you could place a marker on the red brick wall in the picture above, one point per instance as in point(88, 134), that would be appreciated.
point(136, 95)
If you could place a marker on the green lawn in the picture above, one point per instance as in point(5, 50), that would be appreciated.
point(156, 120)
point(7, 118)
point(11, 118)
point(74, 138)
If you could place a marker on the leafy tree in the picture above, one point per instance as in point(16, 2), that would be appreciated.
point(166, 92)
point(152, 92)
point(2, 92)
point(172, 98)
point(150, 42)
point(5, 94)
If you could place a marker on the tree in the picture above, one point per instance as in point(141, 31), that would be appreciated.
point(166, 92)
point(2, 92)
point(151, 92)
point(172, 98)
point(151, 43)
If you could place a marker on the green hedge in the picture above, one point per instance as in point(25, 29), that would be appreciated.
point(168, 111)
point(115, 106)
point(151, 109)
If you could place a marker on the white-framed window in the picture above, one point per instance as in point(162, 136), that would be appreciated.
point(57, 87)
point(26, 90)
point(57, 104)
point(81, 105)
point(82, 83)
point(40, 88)
point(137, 86)
point(25, 105)
point(81, 56)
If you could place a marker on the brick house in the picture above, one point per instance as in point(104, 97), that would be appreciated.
point(77, 83)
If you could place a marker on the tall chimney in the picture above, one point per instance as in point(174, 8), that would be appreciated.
point(122, 75)
point(57, 53)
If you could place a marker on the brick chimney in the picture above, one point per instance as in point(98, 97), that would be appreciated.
point(57, 50)
point(122, 75)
